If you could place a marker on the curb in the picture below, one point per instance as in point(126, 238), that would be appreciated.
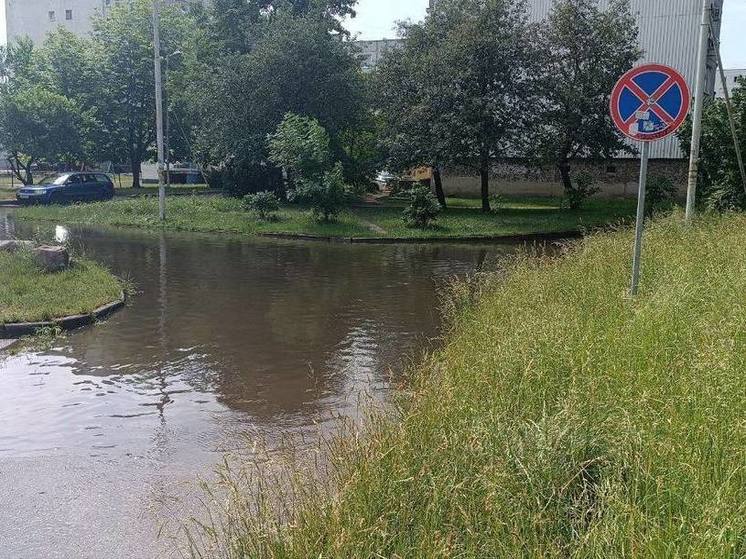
point(20, 329)
point(477, 239)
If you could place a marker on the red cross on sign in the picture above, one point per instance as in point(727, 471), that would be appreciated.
point(650, 102)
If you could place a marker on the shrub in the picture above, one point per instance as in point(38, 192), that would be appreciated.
point(263, 204)
point(582, 188)
point(726, 195)
point(325, 195)
point(301, 145)
point(423, 208)
point(660, 196)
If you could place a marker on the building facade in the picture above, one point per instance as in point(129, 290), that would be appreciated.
point(36, 18)
point(372, 51)
point(731, 78)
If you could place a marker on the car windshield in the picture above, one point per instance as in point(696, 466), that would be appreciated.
point(55, 179)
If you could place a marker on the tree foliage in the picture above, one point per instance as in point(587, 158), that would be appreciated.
point(301, 145)
point(423, 208)
point(296, 65)
point(463, 77)
point(583, 51)
point(720, 185)
point(122, 55)
point(39, 126)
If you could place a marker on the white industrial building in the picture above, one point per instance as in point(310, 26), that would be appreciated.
point(669, 34)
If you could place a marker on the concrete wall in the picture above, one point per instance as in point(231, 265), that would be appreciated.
point(618, 178)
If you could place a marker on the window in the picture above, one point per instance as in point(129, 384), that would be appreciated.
point(74, 179)
point(611, 169)
point(89, 178)
point(68, 15)
point(52, 16)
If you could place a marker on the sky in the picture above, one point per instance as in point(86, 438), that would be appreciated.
point(376, 20)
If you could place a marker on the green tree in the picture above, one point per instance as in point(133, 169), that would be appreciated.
point(296, 66)
point(301, 145)
point(411, 104)
point(122, 53)
point(39, 126)
point(583, 52)
point(473, 56)
point(720, 185)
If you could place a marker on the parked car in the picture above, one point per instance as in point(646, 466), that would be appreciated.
point(68, 187)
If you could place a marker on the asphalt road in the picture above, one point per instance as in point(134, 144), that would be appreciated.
point(96, 513)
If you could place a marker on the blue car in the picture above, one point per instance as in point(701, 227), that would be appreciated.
point(68, 187)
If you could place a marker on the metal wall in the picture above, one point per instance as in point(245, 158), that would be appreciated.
point(669, 34)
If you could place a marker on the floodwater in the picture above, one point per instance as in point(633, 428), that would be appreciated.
point(228, 340)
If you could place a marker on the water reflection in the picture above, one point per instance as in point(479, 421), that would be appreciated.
point(254, 333)
point(225, 336)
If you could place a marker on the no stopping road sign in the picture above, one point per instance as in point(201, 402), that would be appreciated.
point(650, 102)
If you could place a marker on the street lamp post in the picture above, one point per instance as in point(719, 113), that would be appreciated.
point(159, 107)
point(167, 60)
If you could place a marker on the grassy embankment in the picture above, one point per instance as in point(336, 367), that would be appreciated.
point(27, 294)
point(218, 214)
point(560, 420)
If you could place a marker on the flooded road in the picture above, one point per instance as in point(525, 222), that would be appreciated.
point(228, 340)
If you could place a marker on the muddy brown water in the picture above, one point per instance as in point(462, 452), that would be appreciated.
point(104, 434)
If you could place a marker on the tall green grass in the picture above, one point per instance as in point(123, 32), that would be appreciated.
point(560, 420)
point(27, 294)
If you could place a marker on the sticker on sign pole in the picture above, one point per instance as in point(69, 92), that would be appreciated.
point(650, 102)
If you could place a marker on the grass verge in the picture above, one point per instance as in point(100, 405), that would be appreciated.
point(218, 214)
point(560, 420)
point(27, 294)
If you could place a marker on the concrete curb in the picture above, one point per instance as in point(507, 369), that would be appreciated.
point(20, 329)
point(477, 239)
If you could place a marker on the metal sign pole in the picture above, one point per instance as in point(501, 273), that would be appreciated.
point(636, 262)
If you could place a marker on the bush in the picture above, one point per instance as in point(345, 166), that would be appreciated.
point(326, 195)
point(301, 145)
point(660, 196)
point(423, 208)
point(263, 204)
point(582, 188)
point(726, 195)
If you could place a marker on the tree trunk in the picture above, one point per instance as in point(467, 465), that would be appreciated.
point(438, 179)
point(484, 177)
point(135, 163)
point(564, 169)
point(27, 178)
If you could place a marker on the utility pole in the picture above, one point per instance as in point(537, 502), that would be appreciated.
point(699, 92)
point(159, 106)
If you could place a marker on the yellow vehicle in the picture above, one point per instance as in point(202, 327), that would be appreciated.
point(417, 175)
